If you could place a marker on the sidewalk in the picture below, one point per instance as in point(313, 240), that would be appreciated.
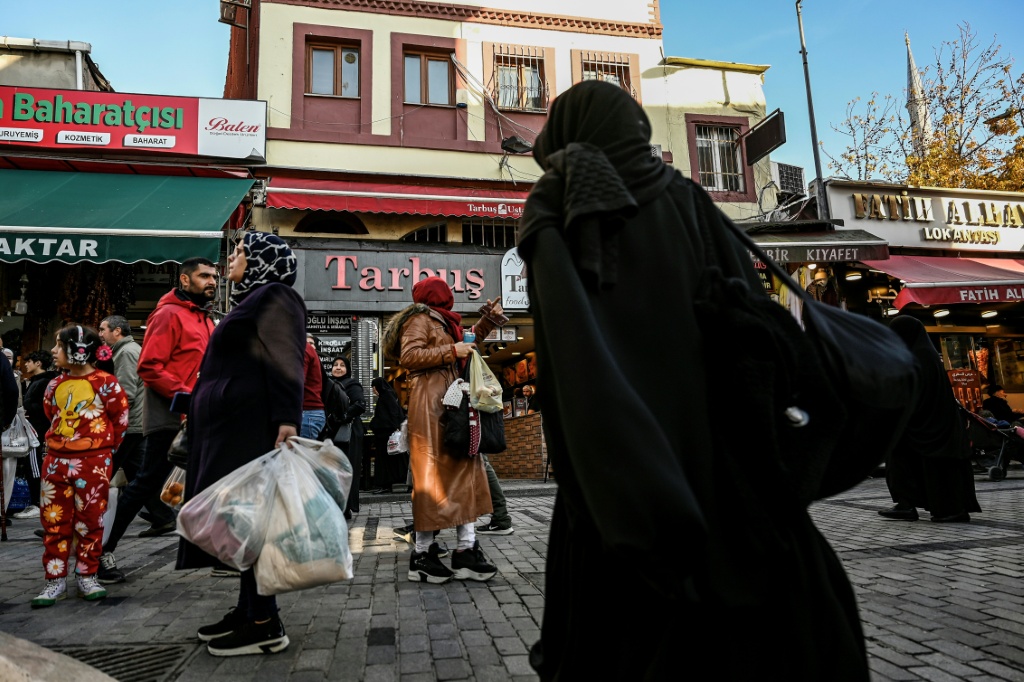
point(938, 602)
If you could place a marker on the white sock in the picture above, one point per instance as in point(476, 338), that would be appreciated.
point(467, 536)
point(424, 539)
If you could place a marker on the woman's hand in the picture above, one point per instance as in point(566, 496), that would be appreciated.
point(496, 308)
point(284, 432)
point(462, 349)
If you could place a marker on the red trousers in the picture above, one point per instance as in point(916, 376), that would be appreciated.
point(72, 499)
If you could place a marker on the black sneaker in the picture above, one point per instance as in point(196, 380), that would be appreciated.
point(251, 638)
point(405, 534)
point(109, 573)
point(471, 564)
point(427, 567)
point(231, 621)
point(495, 529)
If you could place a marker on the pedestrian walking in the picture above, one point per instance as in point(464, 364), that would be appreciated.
point(501, 522)
point(177, 332)
point(447, 491)
point(930, 468)
point(388, 416)
point(248, 400)
point(89, 416)
point(313, 415)
point(610, 236)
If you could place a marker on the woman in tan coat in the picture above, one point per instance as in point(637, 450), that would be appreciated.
point(448, 491)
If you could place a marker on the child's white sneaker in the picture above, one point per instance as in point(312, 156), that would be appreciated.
point(54, 591)
point(89, 588)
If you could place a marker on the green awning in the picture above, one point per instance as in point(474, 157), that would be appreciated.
point(99, 217)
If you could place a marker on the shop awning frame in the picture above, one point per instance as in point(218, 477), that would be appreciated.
point(833, 246)
point(932, 280)
point(369, 197)
point(71, 217)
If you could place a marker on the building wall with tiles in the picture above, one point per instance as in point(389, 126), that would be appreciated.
point(526, 454)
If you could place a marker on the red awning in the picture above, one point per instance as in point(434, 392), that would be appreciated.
point(366, 197)
point(930, 280)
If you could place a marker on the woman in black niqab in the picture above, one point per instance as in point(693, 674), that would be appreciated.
point(930, 468)
point(643, 575)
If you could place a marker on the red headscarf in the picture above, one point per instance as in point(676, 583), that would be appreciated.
point(435, 292)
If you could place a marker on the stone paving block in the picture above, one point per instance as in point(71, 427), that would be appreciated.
point(445, 648)
point(441, 631)
point(491, 673)
point(1010, 653)
point(957, 635)
point(518, 665)
point(384, 654)
point(1000, 670)
point(892, 656)
point(934, 674)
point(953, 650)
point(419, 662)
point(951, 664)
point(314, 659)
point(380, 673)
point(903, 645)
point(452, 669)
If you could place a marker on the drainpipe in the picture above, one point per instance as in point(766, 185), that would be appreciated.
point(79, 75)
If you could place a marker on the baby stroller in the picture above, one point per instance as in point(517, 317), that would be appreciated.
point(994, 444)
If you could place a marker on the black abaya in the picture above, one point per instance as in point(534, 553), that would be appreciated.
point(614, 255)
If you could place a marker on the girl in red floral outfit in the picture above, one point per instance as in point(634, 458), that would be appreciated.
point(88, 415)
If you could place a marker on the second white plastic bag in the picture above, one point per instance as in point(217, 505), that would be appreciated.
point(307, 542)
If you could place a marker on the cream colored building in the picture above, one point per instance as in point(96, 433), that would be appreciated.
point(399, 134)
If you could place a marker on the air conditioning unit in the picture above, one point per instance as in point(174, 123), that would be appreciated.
point(789, 178)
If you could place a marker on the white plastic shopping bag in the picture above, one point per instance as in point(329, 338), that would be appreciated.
point(110, 513)
point(330, 466)
point(484, 387)
point(307, 542)
point(10, 467)
point(229, 519)
point(20, 438)
point(398, 441)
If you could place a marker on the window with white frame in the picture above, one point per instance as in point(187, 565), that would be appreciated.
point(518, 81)
point(718, 158)
point(332, 70)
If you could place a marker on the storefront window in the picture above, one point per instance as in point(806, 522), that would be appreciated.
point(1007, 361)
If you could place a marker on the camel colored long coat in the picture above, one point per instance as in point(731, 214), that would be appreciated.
point(447, 491)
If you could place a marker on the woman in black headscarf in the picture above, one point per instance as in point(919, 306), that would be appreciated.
point(611, 238)
point(930, 467)
point(388, 415)
point(349, 437)
point(246, 402)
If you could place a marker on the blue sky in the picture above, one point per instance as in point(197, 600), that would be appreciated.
point(854, 47)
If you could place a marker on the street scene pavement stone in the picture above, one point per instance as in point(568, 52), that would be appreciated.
point(937, 601)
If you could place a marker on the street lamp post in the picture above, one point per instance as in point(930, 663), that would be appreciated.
point(823, 212)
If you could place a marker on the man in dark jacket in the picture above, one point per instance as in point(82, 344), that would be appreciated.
point(996, 404)
point(177, 333)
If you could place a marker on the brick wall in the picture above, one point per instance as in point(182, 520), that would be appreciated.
point(526, 452)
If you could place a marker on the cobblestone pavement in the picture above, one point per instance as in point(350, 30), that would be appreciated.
point(938, 601)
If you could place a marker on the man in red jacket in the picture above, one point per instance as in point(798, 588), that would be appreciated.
point(177, 333)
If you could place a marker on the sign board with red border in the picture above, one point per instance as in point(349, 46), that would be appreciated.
point(78, 120)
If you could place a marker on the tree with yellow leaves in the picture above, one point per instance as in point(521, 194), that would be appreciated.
point(975, 112)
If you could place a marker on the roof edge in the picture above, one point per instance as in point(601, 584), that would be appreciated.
point(715, 64)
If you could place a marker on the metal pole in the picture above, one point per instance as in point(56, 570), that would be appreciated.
point(822, 205)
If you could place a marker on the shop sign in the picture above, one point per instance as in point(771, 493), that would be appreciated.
point(356, 280)
point(513, 281)
point(939, 219)
point(65, 120)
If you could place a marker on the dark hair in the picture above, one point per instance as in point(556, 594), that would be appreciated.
point(190, 265)
point(43, 357)
point(80, 343)
point(993, 389)
point(118, 322)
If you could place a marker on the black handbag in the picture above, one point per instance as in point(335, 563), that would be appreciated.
point(828, 401)
point(455, 426)
point(177, 454)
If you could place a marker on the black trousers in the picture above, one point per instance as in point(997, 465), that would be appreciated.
point(147, 483)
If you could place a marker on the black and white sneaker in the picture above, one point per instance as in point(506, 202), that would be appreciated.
point(406, 534)
point(427, 567)
point(251, 638)
point(495, 529)
point(109, 573)
point(471, 564)
point(232, 620)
